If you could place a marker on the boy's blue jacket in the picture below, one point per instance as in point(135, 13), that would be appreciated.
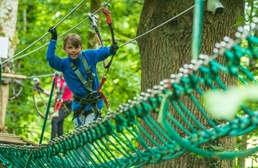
point(73, 82)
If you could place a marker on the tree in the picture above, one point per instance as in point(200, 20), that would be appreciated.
point(168, 48)
point(8, 18)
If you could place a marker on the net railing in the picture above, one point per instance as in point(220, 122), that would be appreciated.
point(133, 135)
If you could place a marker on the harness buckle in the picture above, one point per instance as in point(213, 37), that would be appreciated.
point(58, 105)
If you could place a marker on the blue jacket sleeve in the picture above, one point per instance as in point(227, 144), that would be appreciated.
point(54, 61)
point(98, 55)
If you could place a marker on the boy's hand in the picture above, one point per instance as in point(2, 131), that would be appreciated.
point(113, 49)
point(53, 33)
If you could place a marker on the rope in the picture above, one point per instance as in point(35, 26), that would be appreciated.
point(120, 45)
point(187, 10)
point(14, 57)
point(197, 29)
point(40, 76)
point(109, 141)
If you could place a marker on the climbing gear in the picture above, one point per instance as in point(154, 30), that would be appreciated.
point(109, 22)
point(87, 84)
point(59, 96)
point(16, 87)
point(95, 27)
point(92, 99)
point(92, 18)
point(114, 47)
point(67, 107)
point(60, 93)
point(37, 93)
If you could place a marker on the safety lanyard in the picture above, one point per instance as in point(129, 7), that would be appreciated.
point(60, 92)
point(107, 66)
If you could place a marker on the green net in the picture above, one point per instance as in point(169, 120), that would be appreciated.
point(132, 136)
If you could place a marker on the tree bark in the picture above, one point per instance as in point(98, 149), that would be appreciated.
point(8, 19)
point(166, 49)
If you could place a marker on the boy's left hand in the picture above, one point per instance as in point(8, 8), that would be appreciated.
point(113, 49)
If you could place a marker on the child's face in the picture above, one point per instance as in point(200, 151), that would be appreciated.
point(72, 51)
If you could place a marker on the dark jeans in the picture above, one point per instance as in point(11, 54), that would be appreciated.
point(58, 124)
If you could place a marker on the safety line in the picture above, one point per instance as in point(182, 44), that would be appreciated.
point(15, 58)
point(48, 42)
point(187, 10)
point(40, 76)
point(157, 26)
point(68, 14)
point(45, 33)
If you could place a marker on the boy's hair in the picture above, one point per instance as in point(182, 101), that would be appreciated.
point(74, 39)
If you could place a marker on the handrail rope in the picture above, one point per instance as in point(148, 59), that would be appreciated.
point(22, 85)
point(77, 6)
point(14, 58)
point(180, 138)
point(40, 76)
point(120, 45)
point(48, 42)
point(187, 10)
point(45, 33)
point(17, 93)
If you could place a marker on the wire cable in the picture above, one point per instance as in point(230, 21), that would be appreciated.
point(15, 58)
point(77, 6)
point(187, 10)
point(40, 76)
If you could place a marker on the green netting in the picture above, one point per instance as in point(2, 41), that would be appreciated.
point(114, 140)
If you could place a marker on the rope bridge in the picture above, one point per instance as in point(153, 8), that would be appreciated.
point(120, 139)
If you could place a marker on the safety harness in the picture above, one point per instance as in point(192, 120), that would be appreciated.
point(91, 76)
point(91, 98)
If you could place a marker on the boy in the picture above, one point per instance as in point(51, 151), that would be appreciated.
point(79, 70)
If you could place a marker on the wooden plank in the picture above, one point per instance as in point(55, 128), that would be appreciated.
point(13, 76)
point(6, 135)
point(13, 139)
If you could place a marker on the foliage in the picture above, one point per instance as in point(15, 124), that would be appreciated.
point(124, 75)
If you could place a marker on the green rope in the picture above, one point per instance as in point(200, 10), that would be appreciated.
point(47, 111)
point(197, 29)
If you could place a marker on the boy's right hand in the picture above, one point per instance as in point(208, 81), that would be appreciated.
point(53, 33)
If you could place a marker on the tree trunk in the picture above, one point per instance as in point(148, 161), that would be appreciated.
point(8, 18)
point(166, 49)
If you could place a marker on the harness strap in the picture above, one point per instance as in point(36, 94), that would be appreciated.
point(87, 84)
point(89, 99)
